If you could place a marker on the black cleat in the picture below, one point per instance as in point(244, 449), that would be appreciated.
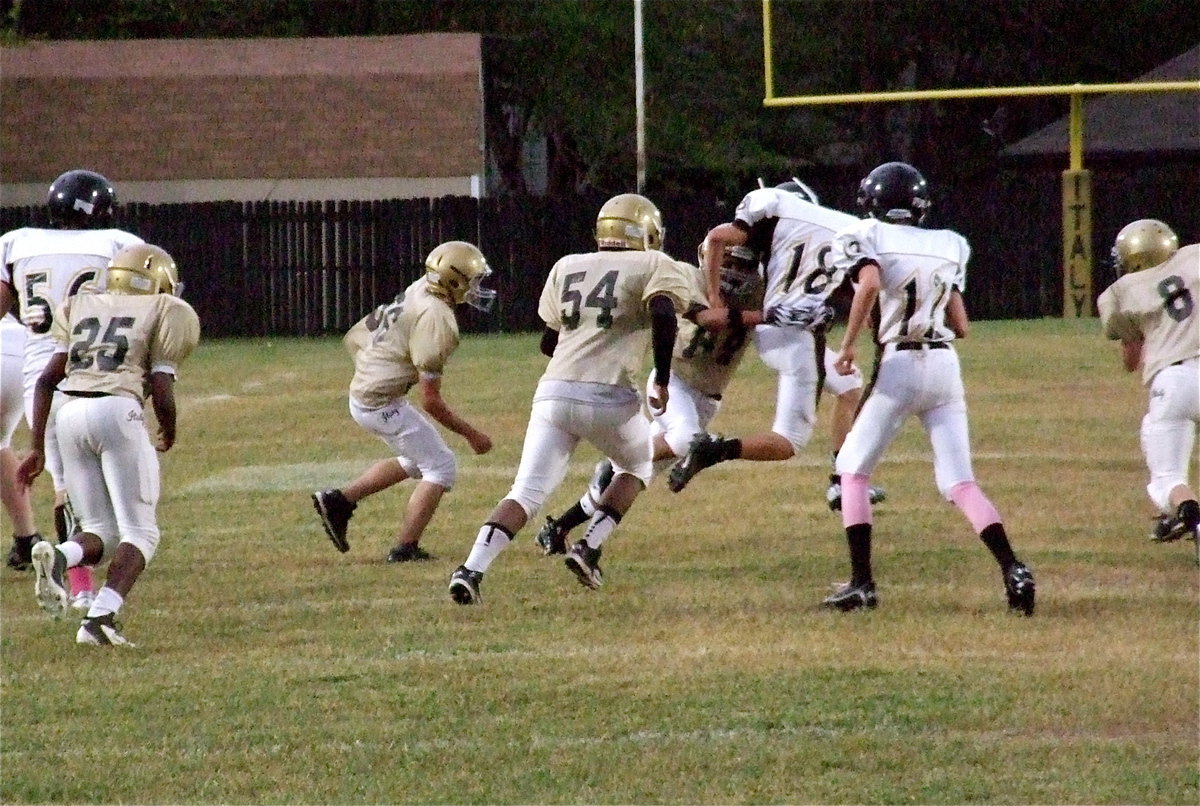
point(20, 556)
point(584, 562)
point(552, 538)
point(464, 586)
point(704, 451)
point(408, 553)
point(1169, 528)
point(852, 597)
point(335, 512)
point(1019, 588)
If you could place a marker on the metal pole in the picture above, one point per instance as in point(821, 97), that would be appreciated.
point(640, 91)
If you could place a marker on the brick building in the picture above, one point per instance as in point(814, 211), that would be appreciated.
point(183, 120)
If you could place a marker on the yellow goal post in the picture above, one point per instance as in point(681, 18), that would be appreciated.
point(1076, 181)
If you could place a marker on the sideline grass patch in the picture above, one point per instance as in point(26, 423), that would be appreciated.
point(272, 669)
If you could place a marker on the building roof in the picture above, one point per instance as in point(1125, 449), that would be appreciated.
point(1121, 125)
point(180, 109)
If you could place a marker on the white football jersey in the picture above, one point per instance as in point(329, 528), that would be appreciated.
point(793, 236)
point(1158, 306)
point(918, 269)
point(47, 266)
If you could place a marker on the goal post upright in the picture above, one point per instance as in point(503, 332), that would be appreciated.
point(1077, 262)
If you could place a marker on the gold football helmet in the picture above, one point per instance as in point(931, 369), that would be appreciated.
point(1143, 244)
point(142, 269)
point(630, 221)
point(455, 271)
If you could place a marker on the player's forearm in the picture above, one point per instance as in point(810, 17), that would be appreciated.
point(436, 408)
point(162, 398)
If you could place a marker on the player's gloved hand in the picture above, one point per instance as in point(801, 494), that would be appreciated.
point(809, 311)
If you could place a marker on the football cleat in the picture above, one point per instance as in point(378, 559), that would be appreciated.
point(102, 631)
point(584, 562)
point(49, 567)
point(464, 586)
point(833, 495)
point(849, 596)
point(20, 555)
point(704, 451)
point(1169, 528)
point(82, 601)
point(552, 538)
point(1019, 588)
point(408, 553)
point(335, 512)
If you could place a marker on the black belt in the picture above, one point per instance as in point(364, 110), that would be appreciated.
point(86, 394)
point(921, 345)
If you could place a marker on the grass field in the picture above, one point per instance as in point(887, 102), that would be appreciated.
point(271, 669)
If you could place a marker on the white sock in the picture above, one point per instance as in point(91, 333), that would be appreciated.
point(106, 601)
point(490, 541)
point(599, 529)
point(72, 551)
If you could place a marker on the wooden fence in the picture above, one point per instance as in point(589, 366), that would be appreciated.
point(310, 268)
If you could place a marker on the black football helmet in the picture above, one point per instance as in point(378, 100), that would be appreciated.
point(81, 199)
point(894, 192)
point(800, 189)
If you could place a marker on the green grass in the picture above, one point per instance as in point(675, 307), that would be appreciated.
point(271, 669)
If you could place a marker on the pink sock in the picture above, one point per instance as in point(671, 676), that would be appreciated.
point(974, 504)
point(856, 499)
point(80, 578)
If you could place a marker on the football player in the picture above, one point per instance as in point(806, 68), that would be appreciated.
point(917, 277)
point(791, 233)
point(397, 346)
point(39, 270)
point(1151, 310)
point(16, 498)
point(601, 311)
point(707, 351)
point(112, 348)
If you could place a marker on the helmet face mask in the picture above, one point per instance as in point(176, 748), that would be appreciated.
point(142, 269)
point(630, 221)
point(81, 199)
point(455, 271)
point(1143, 244)
point(894, 192)
point(739, 265)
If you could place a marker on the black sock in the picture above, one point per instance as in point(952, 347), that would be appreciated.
point(996, 539)
point(573, 517)
point(859, 538)
point(1189, 513)
point(730, 449)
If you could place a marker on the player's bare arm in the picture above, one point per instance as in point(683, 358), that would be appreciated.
point(7, 298)
point(956, 315)
point(162, 397)
point(1131, 354)
point(435, 405)
point(866, 291)
point(718, 238)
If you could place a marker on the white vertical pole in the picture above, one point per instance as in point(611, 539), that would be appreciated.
point(640, 91)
